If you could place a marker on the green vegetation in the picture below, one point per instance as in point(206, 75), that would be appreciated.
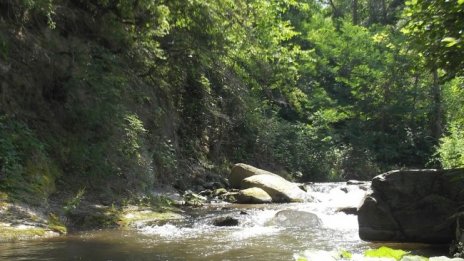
point(397, 254)
point(382, 253)
point(8, 234)
point(55, 224)
point(121, 96)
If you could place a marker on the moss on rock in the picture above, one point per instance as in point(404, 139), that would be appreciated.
point(134, 216)
point(10, 233)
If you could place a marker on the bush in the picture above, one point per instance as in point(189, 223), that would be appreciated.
point(451, 148)
point(26, 171)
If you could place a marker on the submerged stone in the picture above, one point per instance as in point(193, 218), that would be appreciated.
point(225, 222)
point(294, 218)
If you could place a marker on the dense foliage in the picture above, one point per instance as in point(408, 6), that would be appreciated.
point(119, 96)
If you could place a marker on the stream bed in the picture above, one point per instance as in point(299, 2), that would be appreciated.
point(264, 232)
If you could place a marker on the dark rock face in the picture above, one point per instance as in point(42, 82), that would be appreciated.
point(348, 210)
point(225, 222)
point(412, 206)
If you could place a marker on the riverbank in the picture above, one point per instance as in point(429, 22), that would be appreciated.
point(20, 221)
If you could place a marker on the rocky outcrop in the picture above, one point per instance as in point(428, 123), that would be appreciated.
point(279, 189)
point(412, 206)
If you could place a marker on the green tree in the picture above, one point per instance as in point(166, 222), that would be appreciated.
point(435, 28)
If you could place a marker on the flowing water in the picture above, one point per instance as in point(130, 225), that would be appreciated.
point(265, 232)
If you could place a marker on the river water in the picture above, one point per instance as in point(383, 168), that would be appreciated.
point(265, 232)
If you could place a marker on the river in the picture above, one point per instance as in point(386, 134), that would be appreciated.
point(265, 232)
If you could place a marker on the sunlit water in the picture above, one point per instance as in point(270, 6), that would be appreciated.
point(259, 235)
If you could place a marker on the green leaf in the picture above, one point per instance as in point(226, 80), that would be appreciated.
point(385, 252)
point(450, 41)
point(345, 254)
point(460, 2)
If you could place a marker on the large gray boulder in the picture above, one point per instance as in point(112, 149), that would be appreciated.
point(412, 206)
point(253, 196)
point(280, 189)
point(242, 171)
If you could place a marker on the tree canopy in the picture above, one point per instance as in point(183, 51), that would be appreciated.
point(145, 92)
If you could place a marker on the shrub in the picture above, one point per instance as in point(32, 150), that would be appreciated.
point(26, 171)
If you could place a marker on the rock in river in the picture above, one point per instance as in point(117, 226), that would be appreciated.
point(225, 222)
point(294, 218)
point(280, 189)
point(253, 196)
point(241, 171)
point(412, 206)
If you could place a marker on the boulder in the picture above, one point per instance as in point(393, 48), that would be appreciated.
point(348, 210)
point(225, 222)
point(280, 189)
point(253, 196)
point(242, 171)
point(294, 218)
point(412, 206)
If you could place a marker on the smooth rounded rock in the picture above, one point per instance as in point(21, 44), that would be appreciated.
point(241, 171)
point(253, 196)
point(294, 218)
point(280, 189)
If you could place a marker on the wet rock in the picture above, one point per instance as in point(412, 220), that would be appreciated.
point(225, 222)
point(412, 206)
point(206, 193)
point(303, 186)
point(280, 189)
point(294, 218)
point(213, 185)
point(219, 192)
point(230, 197)
point(253, 196)
point(348, 210)
point(137, 216)
point(355, 182)
point(193, 199)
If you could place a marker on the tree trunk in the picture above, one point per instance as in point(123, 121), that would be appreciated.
point(384, 12)
point(436, 119)
point(355, 12)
